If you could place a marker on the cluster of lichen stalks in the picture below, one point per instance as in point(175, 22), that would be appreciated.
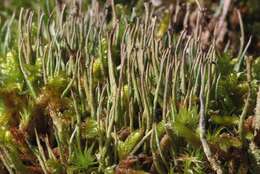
point(80, 94)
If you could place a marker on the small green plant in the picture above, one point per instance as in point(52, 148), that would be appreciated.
point(82, 161)
point(89, 91)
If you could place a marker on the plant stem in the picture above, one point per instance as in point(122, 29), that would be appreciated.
point(202, 126)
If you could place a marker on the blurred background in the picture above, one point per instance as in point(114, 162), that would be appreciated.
point(225, 11)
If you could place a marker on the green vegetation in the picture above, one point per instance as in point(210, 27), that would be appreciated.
point(107, 89)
